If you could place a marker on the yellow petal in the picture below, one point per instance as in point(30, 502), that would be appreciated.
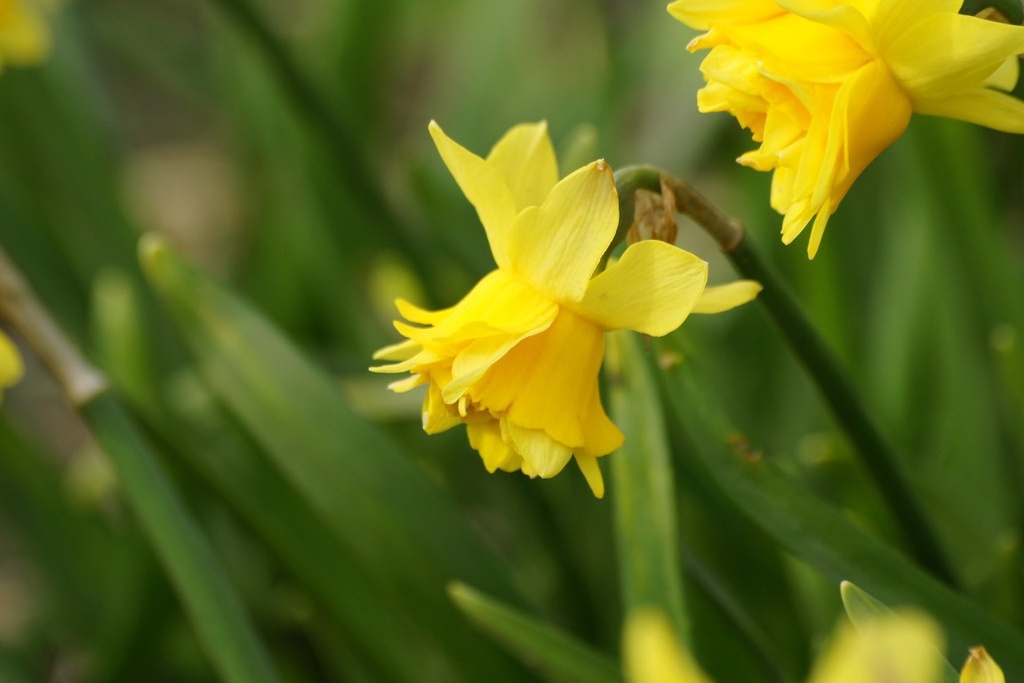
point(526, 160)
point(485, 189)
point(705, 14)
point(818, 228)
point(592, 473)
point(545, 456)
point(902, 647)
point(652, 651)
point(557, 246)
point(851, 127)
point(795, 50)
point(438, 416)
point(890, 20)
point(651, 289)
point(982, 106)
point(421, 316)
point(1005, 77)
point(403, 350)
point(725, 297)
point(11, 368)
point(408, 384)
point(420, 360)
point(499, 303)
point(848, 18)
point(485, 438)
point(981, 668)
point(600, 435)
point(946, 54)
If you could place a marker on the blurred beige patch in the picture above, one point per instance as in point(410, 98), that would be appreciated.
point(17, 604)
point(190, 193)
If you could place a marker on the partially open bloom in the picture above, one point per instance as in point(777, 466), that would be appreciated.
point(981, 668)
point(24, 34)
point(825, 85)
point(900, 648)
point(517, 359)
point(10, 362)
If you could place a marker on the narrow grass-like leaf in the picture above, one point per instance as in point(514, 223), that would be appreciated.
point(195, 427)
point(643, 486)
point(860, 606)
point(207, 595)
point(821, 535)
point(559, 656)
point(400, 528)
point(863, 609)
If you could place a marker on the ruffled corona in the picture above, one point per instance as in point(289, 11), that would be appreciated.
point(825, 86)
point(517, 359)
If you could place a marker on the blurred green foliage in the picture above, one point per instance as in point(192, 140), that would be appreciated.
point(306, 181)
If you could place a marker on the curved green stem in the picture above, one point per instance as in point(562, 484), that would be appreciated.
point(825, 370)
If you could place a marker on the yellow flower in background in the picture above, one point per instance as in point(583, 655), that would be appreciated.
point(901, 648)
point(24, 34)
point(517, 359)
point(653, 654)
point(10, 362)
point(980, 668)
point(825, 86)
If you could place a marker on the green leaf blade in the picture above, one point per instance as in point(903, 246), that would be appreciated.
point(560, 656)
point(643, 486)
point(399, 527)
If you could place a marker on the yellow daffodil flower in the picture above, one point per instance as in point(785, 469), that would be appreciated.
point(901, 648)
point(825, 85)
point(24, 35)
point(10, 362)
point(517, 359)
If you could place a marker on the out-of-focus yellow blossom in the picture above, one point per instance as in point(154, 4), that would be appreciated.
point(10, 362)
point(825, 85)
point(517, 359)
point(901, 648)
point(653, 654)
point(980, 668)
point(24, 34)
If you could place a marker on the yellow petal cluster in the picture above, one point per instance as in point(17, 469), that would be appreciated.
point(825, 85)
point(517, 359)
point(900, 648)
point(10, 362)
point(24, 33)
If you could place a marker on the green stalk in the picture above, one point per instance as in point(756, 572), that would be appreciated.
point(824, 368)
point(646, 533)
point(556, 655)
point(209, 600)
